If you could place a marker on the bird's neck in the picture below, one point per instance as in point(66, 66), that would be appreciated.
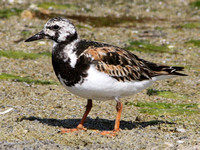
point(66, 65)
point(66, 53)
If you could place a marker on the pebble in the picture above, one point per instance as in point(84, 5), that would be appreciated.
point(27, 14)
point(181, 130)
point(169, 144)
point(170, 46)
point(42, 43)
point(180, 142)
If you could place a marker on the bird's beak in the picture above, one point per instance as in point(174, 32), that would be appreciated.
point(38, 36)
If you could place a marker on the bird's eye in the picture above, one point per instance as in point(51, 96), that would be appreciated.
point(56, 27)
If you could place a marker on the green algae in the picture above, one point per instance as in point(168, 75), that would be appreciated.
point(193, 42)
point(158, 109)
point(47, 5)
point(6, 13)
point(147, 47)
point(5, 76)
point(165, 94)
point(195, 4)
point(190, 25)
point(22, 55)
point(26, 33)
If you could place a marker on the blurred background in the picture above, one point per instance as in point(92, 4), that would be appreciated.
point(164, 116)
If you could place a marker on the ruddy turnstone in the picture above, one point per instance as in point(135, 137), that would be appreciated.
point(98, 71)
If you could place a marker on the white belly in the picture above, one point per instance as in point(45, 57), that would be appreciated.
point(100, 86)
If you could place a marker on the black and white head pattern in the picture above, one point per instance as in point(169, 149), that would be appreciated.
point(60, 30)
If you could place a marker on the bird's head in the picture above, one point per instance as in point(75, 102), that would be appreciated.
point(58, 29)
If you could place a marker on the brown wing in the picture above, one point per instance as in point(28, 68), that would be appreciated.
point(119, 64)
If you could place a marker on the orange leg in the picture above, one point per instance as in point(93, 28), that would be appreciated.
point(80, 125)
point(117, 121)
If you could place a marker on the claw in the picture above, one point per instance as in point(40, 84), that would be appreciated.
point(110, 133)
point(79, 127)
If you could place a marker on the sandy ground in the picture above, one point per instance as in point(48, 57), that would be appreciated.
point(39, 111)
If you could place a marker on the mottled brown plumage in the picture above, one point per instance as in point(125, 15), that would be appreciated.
point(125, 66)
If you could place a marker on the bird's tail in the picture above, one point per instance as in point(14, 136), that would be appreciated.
point(169, 70)
point(165, 71)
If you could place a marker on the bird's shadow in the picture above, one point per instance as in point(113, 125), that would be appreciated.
point(99, 124)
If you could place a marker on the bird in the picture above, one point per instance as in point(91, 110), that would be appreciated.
point(98, 71)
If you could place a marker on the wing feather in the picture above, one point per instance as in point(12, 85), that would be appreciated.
point(118, 63)
point(124, 65)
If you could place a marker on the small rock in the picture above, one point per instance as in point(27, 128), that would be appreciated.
point(11, 1)
point(42, 43)
point(134, 31)
point(181, 130)
point(154, 128)
point(169, 144)
point(180, 142)
point(198, 106)
point(27, 14)
point(138, 118)
point(33, 7)
point(170, 46)
point(25, 131)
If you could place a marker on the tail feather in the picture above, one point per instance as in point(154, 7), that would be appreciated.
point(165, 70)
point(172, 70)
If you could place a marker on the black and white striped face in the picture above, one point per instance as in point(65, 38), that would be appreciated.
point(57, 29)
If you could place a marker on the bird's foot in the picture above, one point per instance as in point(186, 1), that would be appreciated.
point(79, 127)
point(110, 133)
